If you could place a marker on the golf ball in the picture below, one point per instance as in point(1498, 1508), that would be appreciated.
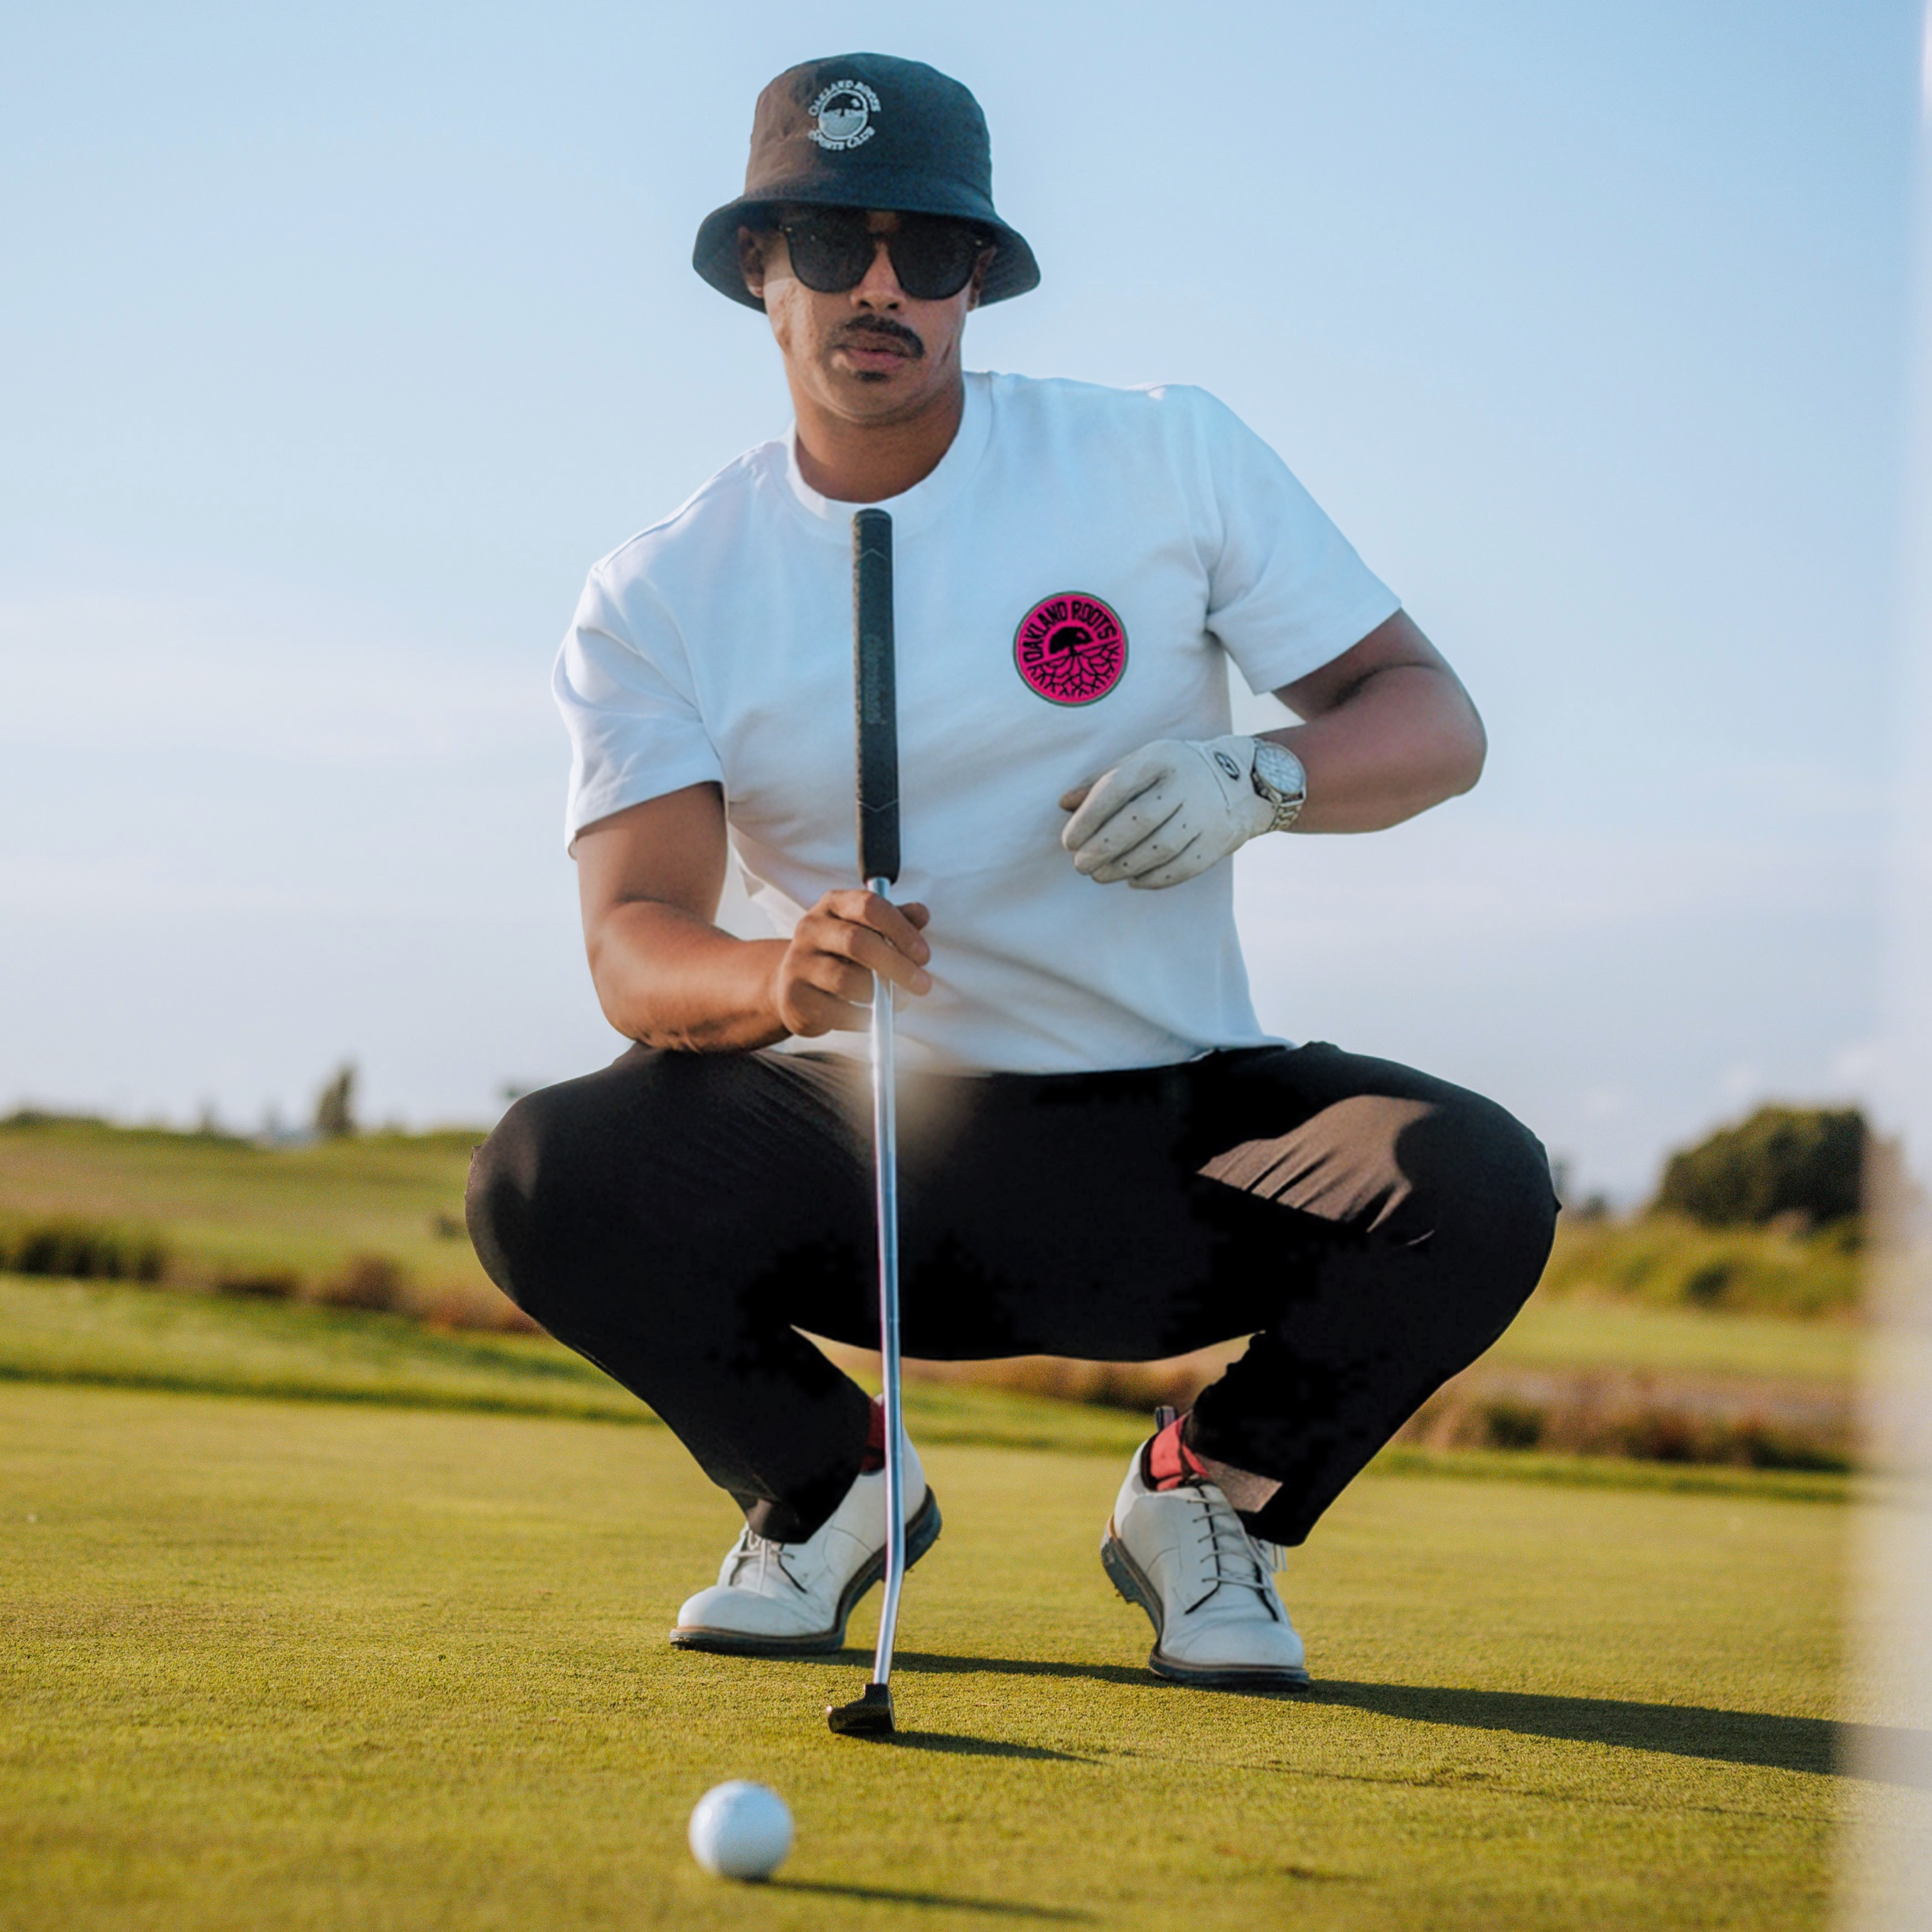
point(740, 1830)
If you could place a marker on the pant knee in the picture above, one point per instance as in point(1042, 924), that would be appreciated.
point(500, 1200)
point(1483, 1179)
point(532, 1194)
point(620, 1184)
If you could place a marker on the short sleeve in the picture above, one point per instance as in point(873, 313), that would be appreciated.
point(623, 684)
point(1287, 592)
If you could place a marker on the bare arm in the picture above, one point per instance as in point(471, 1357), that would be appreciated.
point(649, 880)
point(1389, 731)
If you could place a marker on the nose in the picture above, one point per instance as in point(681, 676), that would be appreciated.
point(880, 289)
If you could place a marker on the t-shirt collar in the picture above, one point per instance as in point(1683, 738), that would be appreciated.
point(912, 510)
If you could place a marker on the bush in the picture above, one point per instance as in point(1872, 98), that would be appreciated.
point(491, 1313)
point(371, 1282)
point(1510, 1423)
point(82, 1250)
point(1806, 1162)
point(264, 1284)
point(1594, 1413)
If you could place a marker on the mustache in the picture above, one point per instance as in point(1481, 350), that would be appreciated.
point(884, 325)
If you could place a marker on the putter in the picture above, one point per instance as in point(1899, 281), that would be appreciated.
point(871, 1714)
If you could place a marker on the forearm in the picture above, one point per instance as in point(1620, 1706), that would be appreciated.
point(668, 978)
point(1405, 738)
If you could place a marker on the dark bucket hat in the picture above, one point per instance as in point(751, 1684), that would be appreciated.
point(866, 130)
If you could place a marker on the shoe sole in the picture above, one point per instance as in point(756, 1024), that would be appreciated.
point(922, 1533)
point(1135, 1587)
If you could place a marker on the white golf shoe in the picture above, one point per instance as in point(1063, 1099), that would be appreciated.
point(1207, 1585)
point(782, 1599)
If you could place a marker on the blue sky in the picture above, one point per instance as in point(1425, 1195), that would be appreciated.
point(340, 343)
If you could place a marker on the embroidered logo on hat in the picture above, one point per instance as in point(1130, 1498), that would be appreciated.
point(843, 112)
point(1071, 649)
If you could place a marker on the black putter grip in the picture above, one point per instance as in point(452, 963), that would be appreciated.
point(873, 682)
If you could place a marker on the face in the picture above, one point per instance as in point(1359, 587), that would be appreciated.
point(872, 353)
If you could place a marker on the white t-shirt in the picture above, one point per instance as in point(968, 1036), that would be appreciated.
point(1066, 581)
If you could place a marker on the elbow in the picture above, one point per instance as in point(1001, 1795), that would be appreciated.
point(623, 993)
point(602, 978)
point(620, 1007)
point(1472, 754)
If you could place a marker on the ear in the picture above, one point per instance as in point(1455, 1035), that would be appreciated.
point(752, 260)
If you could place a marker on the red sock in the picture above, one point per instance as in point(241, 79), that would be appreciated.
point(874, 1459)
point(1168, 1462)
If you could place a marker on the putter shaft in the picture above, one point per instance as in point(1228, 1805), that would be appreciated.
point(877, 744)
point(885, 1149)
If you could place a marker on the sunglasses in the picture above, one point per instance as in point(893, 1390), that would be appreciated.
point(834, 250)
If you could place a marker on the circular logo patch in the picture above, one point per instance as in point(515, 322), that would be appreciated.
point(1071, 649)
point(843, 112)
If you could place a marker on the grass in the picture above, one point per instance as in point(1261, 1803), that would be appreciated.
point(315, 1666)
point(227, 1207)
point(386, 1651)
point(1609, 1358)
point(111, 1335)
point(1557, 1332)
point(1666, 1261)
point(107, 1335)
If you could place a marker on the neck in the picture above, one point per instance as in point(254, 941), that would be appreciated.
point(867, 462)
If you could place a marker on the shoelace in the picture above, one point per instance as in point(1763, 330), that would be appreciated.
point(1229, 1544)
point(767, 1554)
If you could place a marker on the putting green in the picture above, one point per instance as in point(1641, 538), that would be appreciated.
point(292, 1666)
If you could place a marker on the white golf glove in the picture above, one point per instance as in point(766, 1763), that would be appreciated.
point(1168, 812)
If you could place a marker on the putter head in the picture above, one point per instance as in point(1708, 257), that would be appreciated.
point(869, 1715)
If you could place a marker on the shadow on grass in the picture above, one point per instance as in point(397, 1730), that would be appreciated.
point(929, 1662)
point(957, 1745)
point(950, 1901)
point(966, 1746)
point(1879, 1754)
point(1720, 1737)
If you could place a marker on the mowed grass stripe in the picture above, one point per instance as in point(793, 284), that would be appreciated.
point(304, 1667)
point(120, 1336)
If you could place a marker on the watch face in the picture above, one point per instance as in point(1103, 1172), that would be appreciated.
point(1280, 770)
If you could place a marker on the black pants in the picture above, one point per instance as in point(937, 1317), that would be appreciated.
point(678, 1217)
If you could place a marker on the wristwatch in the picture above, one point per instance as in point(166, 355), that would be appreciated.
point(1279, 778)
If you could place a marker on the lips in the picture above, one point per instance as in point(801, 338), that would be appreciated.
point(879, 343)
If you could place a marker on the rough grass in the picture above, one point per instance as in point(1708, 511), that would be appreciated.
point(229, 1209)
point(109, 1335)
point(94, 1333)
point(1668, 1262)
point(1559, 1332)
point(291, 1220)
point(1614, 1355)
point(274, 1665)
point(1571, 1374)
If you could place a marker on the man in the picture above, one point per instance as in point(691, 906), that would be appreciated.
point(1102, 1154)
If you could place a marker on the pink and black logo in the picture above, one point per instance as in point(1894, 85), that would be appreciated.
point(1071, 649)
